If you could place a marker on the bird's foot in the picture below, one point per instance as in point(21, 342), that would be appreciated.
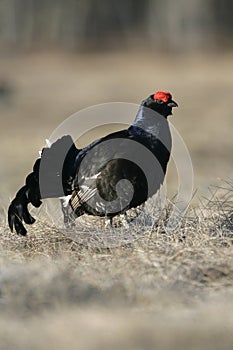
point(69, 221)
point(124, 220)
point(108, 223)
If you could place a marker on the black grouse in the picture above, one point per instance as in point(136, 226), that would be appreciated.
point(111, 175)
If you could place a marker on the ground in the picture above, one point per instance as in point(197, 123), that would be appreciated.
point(160, 290)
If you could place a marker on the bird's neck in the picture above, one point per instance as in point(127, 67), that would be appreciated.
point(148, 121)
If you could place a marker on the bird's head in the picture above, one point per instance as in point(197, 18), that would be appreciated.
point(161, 102)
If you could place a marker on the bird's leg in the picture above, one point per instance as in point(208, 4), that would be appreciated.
point(124, 220)
point(109, 222)
point(69, 219)
point(65, 212)
point(139, 209)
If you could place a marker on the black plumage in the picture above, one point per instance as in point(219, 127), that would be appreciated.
point(111, 175)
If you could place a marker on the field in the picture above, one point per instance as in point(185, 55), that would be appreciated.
point(159, 291)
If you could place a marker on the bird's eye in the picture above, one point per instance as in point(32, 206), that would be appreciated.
point(159, 102)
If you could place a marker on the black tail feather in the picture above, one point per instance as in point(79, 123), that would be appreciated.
point(31, 192)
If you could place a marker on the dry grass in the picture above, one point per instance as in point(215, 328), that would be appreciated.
point(158, 291)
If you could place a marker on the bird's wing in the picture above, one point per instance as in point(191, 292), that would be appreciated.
point(91, 160)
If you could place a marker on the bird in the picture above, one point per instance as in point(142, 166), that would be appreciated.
point(108, 177)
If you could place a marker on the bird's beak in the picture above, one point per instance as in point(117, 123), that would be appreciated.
point(172, 104)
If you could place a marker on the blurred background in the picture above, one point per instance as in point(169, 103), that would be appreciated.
point(163, 291)
point(58, 57)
